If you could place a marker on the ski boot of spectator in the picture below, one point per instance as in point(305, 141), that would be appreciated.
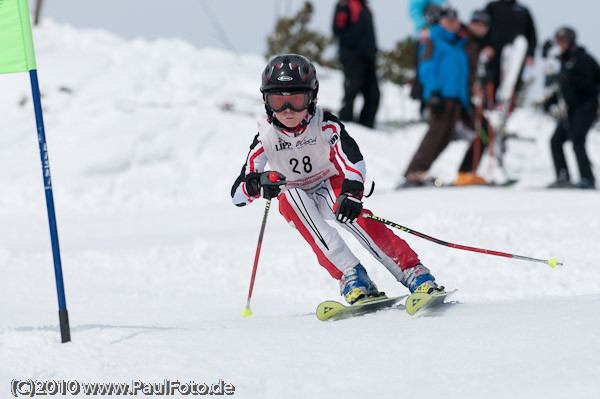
point(469, 179)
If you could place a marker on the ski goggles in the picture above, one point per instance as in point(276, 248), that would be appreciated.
point(449, 13)
point(481, 17)
point(296, 101)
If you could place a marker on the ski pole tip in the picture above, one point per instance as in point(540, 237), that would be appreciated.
point(246, 312)
point(553, 263)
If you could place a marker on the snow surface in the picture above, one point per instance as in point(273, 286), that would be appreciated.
point(157, 260)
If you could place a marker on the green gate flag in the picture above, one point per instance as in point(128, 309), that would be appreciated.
point(16, 41)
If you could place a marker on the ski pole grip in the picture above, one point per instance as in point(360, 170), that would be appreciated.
point(272, 178)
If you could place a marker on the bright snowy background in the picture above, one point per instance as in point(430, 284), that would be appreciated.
point(145, 139)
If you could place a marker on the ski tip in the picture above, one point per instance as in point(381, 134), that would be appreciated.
point(416, 301)
point(326, 310)
point(246, 312)
point(553, 263)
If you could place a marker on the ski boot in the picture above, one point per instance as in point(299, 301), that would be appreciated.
point(562, 180)
point(561, 183)
point(356, 285)
point(586, 184)
point(469, 179)
point(419, 279)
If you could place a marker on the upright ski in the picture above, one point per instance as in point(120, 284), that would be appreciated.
point(513, 58)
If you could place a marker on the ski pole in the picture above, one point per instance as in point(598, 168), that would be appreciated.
point(478, 127)
point(272, 179)
point(550, 262)
point(491, 135)
point(246, 312)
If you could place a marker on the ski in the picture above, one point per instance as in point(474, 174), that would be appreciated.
point(512, 58)
point(429, 182)
point(439, 183)
point(332, 310)
point(421, 301)
point(402, 124)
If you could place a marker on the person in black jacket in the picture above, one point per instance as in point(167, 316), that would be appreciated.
point(353, 26)
point(508, 20)
point(577, 98)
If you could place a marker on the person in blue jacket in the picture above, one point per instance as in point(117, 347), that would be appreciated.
point(418, 11)
point(444, 74)
point(425, 14)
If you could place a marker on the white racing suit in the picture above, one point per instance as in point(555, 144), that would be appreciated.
point(316, 161)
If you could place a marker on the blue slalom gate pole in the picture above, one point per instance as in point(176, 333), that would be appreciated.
point(63, 316)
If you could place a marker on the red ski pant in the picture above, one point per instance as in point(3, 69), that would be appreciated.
point(309, 212)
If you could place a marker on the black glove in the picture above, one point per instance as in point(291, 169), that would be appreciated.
point(348, 205)
point(546, 105)
point(269, 183)
point(348, 208)
point(546, 48)
point(549, 101)
point(253, 184)
point(436, 104)
point(550, 78)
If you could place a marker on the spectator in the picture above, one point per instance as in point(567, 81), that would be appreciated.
point(475, 30)
point(425, 14)
point(508, 20)
point(577, 95)
point(443, 72)
point(353, 26)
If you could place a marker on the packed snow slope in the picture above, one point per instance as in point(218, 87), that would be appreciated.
point(145, 140)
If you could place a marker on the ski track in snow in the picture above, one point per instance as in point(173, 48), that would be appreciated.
point(157, 260)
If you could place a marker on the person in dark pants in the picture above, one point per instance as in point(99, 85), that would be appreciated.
point(508, 20)
point(443, 71)
point(577, 98)
point(475, 30)
point(425, 14)
point(353, 26)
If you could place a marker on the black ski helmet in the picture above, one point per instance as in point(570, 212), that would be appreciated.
point(481, 15)
point(289, 73)
point(447, 12)
point(432, 14)
point(567, 34)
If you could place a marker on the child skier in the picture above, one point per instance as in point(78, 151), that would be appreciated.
point(325, 174)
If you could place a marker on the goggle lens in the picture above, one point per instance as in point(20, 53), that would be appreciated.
point(297, 102)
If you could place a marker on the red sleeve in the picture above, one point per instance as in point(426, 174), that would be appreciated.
point(341, 19)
